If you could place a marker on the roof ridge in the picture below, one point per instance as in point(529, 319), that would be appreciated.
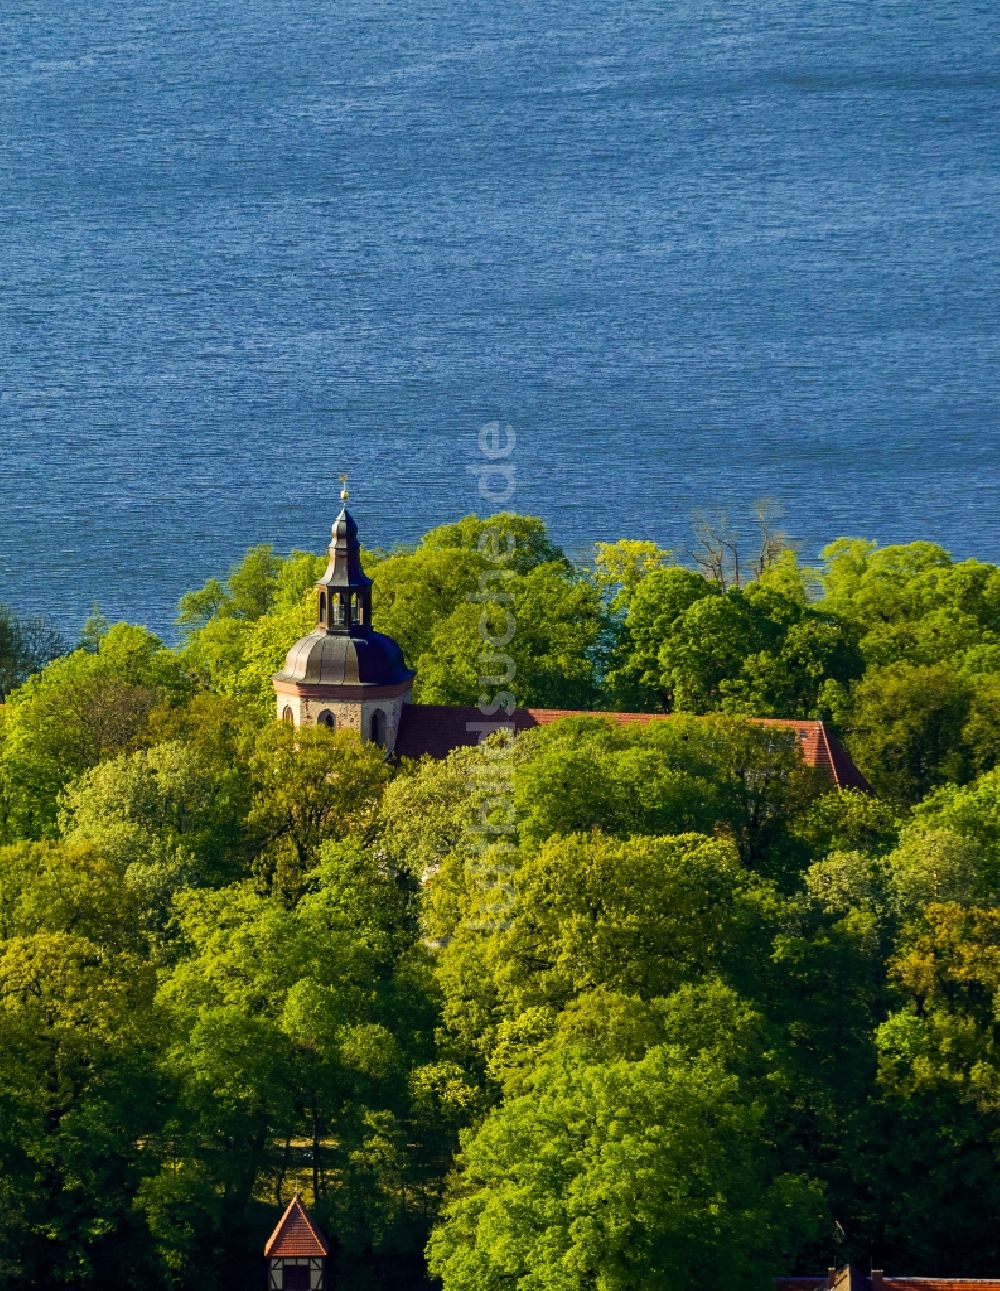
point(435, 730)
point(296, 1211)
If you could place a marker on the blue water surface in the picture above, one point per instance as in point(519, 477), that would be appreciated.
point(693, 252)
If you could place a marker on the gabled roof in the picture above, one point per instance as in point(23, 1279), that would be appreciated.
point(941, 1284)
point(437, 729)
point(888, 1283)
point(296, 1235)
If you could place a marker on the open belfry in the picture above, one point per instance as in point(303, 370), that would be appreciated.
point(344, 674)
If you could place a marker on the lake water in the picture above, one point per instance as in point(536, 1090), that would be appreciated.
point(695, 253)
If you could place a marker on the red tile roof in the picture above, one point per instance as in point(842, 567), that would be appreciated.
point(296, 1235)
point(941, 1284)
point(437, 729)
point(897, 1284)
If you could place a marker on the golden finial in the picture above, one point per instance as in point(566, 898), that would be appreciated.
point(344, 494)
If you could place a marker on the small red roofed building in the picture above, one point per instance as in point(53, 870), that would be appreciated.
point(852, 1279)
point(296, 1252)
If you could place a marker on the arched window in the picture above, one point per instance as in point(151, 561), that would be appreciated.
point(327, 719)
point(339, 608)
point(322, 608)
point(287, 716)
point(378, 727)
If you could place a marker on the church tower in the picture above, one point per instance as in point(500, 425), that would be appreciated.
point(344, 674)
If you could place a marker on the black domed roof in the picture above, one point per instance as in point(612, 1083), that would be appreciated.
point(359, 659)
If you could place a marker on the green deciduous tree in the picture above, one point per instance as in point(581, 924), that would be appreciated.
point(309, 785)
point(535, 646)
point(906, 728)
point(940, 1086)
point(514, 541)
point(80, 709)
point(299, 1022)
point(168, 818)
point(78, 1084)
point(651, 1173)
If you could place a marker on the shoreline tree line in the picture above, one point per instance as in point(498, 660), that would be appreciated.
point(736, 1025)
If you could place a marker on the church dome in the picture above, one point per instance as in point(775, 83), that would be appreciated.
point(334, 659)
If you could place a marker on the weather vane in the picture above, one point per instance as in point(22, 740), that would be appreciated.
point(344, 494)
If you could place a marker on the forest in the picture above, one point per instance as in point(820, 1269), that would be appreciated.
point(726, 1024)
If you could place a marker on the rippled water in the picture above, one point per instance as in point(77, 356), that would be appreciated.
point(694, 253)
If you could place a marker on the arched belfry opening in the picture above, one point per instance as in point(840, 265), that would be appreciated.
point(344, 674)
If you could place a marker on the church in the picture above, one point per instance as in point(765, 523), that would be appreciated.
point(346, 676)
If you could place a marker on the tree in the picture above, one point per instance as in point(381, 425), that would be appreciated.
point(906, 728)
point(167, 817)
point(719, 552)
point(635, 677)
point(911, 601)
point(237, 657)
point(78, 710)
point(933, 865)
point(299, 1022)
point(516, 542)
point(758, 648)
point(26, 646)
point(981, 732)
point(527, 640)
point(846, 820)
point(619, 568)
point(248, 593)
point(237, 633)
point(309, 785)
point(940, 1086)
point(76, 1040)
point(971, 810)
point(586, 773)
point(415, 592)
point(650, 1173)
point(430, 809)
point(742, 779)
point(68, 887)
point(639, 917)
